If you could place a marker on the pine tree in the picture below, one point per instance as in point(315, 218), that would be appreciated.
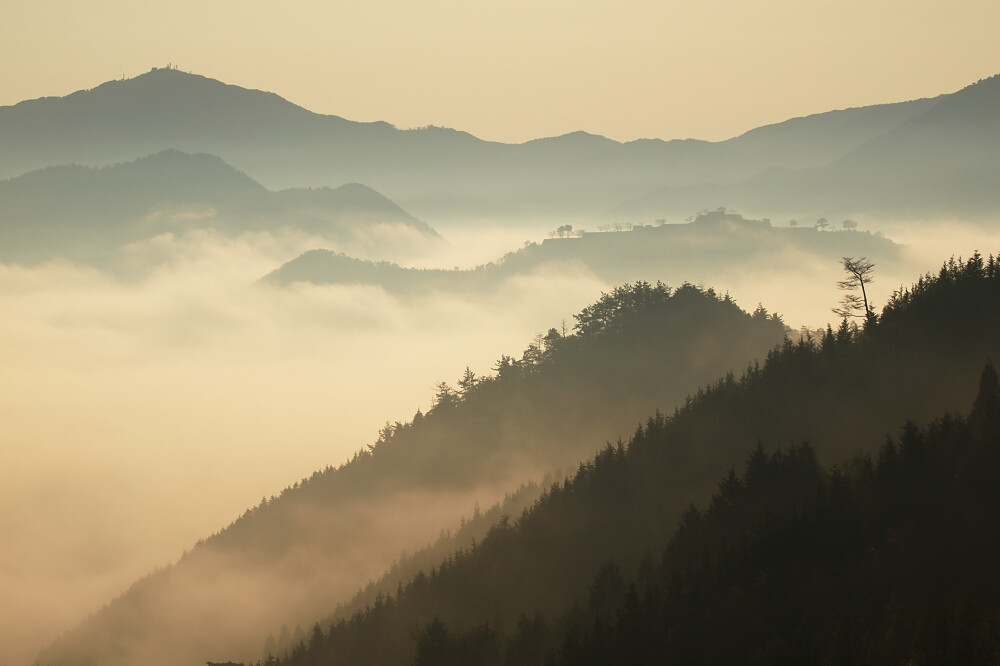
point(984, 420)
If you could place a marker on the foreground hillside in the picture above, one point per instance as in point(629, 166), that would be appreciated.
point(295, 557)
point(887, 558)
point(291, 560)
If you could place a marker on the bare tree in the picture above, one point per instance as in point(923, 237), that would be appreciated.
point(859, 273)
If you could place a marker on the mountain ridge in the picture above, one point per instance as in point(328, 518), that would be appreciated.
point(283, 145)
point(555, 576)
point(715, 245)
point(88, 213)
point(479, 441)
point(940, 162)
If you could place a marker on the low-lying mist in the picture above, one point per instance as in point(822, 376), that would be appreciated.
point(140, 415)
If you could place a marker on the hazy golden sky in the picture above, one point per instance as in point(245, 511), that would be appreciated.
point(516, 70)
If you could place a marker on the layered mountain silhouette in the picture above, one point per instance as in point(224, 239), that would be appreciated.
point(940, 163)
point(895, 159)
point(172, 153)
point(885, 558)
point(568, 393)
point(544, 569)
point(715, 245)
point(89, 213)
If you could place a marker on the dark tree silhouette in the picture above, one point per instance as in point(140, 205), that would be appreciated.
point(859, 273)
point(985, 417)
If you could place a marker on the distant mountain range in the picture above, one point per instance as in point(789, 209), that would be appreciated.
point(941, 163)
point(921, 158)
point(87, 213)
point(713, 246)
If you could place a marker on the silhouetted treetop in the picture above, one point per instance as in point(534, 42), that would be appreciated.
point(639, 303)
point(611, 310)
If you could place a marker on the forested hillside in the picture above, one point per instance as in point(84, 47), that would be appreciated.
point(889, 557)
point(295, 557)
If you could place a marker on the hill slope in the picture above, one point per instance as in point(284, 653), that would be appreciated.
point(715, 247)
point(887, 560)
point(295, 557)
point(876, 562)
point(89, 213)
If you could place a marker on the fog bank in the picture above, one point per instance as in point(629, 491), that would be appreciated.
point(139, 416)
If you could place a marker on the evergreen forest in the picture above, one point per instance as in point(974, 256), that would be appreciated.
point(857, 546)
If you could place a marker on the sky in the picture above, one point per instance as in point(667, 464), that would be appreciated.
point(518, 70)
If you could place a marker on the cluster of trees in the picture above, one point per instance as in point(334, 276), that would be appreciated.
point(823, 224)
point(565, 231)
point(888, 557)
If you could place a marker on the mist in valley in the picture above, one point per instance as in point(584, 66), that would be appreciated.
point(193, 393)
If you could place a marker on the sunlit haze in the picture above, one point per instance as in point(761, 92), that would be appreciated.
point(522, 70)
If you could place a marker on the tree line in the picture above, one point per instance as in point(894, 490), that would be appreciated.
point(811, 553)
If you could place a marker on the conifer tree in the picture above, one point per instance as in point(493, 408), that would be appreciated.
point(859, 273)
